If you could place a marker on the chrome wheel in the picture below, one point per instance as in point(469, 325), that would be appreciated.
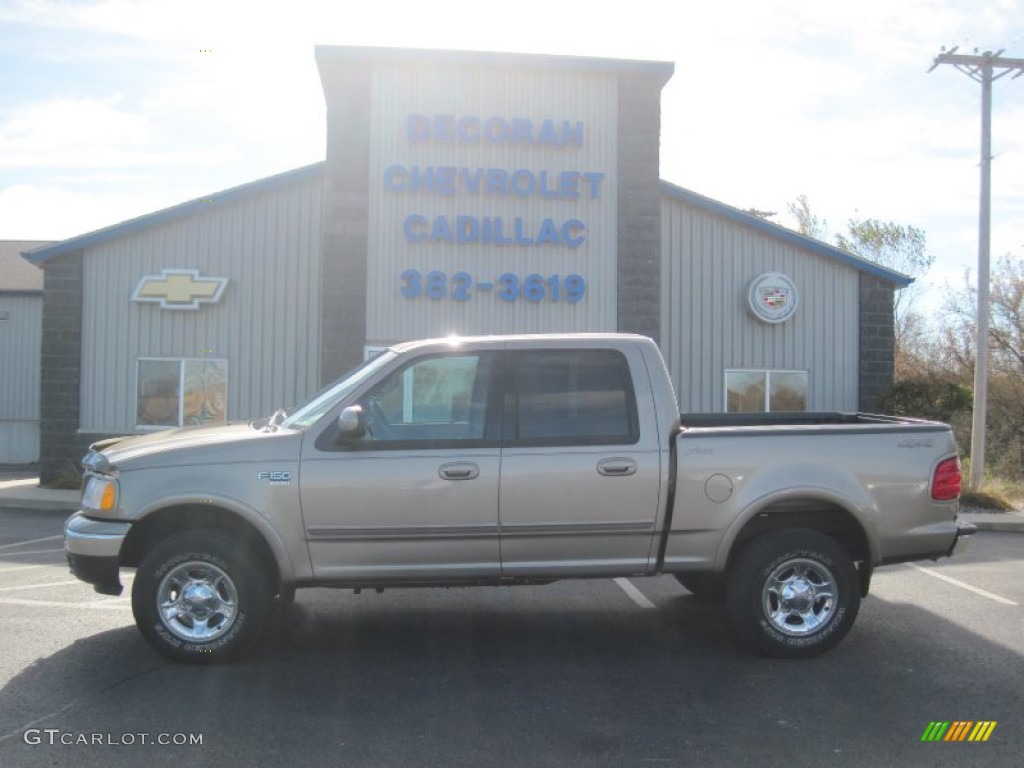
point(799, 597)
point(197, 601)
point(793, 593)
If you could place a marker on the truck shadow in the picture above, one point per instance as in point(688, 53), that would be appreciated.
point(466, 681)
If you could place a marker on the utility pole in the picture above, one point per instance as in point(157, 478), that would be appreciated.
point(984, 68)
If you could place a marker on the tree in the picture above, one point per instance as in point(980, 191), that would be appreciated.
point(903, 249)
point(807, 222)
point(955, 353)
point(898, 247)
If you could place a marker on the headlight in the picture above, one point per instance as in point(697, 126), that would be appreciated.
point(100, 494)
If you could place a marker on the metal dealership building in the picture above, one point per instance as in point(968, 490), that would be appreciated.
point(462, 193)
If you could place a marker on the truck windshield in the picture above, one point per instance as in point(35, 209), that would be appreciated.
point(310, 413)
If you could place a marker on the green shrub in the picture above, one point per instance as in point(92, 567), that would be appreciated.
point(927, 397)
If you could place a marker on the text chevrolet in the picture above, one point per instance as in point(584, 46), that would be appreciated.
point(513, 460)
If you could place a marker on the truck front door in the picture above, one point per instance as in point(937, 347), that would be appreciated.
point(417, 497)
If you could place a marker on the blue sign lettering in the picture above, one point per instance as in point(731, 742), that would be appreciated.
point(468, 129)
point(492, 230)
point(524, 183)
point(441, 232)
point(497, 181)
point(414, 227)
point(467, 229)
point(448, 180)
point(594, 181)
point(521, 183)
point(534, 287)
point(395, 178)
point(418, 128)
point(496, 130)
point(471, 181)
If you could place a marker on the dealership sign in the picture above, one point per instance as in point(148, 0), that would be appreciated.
point(772, 298)
point(179, 289)
point(518, 185)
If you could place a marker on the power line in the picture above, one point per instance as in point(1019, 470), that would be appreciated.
point(984, 68)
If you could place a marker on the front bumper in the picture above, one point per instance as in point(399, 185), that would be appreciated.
point(964, 532)
point(93, 549)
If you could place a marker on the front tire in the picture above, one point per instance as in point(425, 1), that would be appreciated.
point(793, 593)
point(198, 598)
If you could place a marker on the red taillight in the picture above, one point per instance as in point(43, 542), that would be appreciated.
point(946, 481)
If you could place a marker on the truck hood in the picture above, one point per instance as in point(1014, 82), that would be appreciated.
point(233, 442)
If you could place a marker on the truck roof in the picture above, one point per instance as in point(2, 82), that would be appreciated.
point(542, 339)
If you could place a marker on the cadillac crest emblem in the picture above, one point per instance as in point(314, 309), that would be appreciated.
point(772, 297)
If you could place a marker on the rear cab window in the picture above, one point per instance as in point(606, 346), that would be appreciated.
point(570, 397)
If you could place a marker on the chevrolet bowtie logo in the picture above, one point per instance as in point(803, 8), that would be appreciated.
point(180, 289)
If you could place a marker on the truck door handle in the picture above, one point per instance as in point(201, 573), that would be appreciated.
point(459, 470)
point(616, 467)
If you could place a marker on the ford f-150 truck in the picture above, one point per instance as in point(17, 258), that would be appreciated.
point(513, 460)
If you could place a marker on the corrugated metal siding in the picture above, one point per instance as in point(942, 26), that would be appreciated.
point(20, 340)
point(537, 96)
point(708, 264)
point(266, 325)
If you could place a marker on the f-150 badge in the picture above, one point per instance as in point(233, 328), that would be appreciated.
point(275, 478)
point(180, 289)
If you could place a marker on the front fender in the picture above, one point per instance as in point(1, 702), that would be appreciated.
point(284, 558)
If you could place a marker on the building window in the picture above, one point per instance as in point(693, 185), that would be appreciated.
point(762, 391)
point(180, 393)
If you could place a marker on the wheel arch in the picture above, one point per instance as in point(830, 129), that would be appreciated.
point(821, 513)
point(158, 524)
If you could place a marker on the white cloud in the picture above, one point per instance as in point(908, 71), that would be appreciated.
point(68, 131)
point(87, 133)
point(56, 213)
point(770, 99)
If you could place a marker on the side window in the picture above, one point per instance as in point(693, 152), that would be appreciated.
point(437, 398)
point(572, 397)
point(764, 391)
point(177, 392)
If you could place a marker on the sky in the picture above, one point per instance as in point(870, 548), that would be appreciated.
point(111, 109)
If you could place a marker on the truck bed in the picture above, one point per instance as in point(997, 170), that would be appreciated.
point(802, 419)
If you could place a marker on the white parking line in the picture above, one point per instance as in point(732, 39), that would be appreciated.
point(960, 584)
point(26, 726)
point(634, 594)
point(116, 602)
point(40, 586)
point(30, 567)
point(32, 552)
point(30, 541)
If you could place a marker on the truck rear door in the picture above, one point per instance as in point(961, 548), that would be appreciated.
point(579, 467)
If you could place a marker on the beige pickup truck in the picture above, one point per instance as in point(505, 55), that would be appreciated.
point(513, 460)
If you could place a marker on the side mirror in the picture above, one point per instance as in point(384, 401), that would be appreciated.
point(351, 423)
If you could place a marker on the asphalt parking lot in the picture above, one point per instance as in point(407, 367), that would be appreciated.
point(594, 673)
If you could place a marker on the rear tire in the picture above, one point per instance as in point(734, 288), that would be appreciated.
point(793, 593)
point(197, 597)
